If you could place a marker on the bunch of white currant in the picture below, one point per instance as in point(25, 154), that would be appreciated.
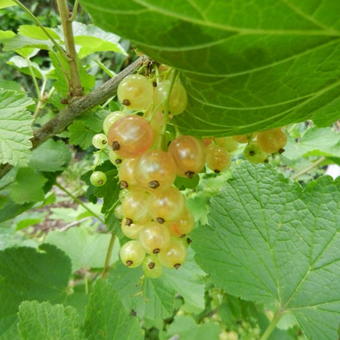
point(154, 212)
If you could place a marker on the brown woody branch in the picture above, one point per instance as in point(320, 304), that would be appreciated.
point(77, 107)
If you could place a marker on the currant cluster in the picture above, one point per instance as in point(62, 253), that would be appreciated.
point(154, 213)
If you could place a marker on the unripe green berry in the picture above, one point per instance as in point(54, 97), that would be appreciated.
point(98, 178)
point(99, 141)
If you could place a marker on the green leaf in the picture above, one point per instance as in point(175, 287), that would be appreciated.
point(106, 318)
point(10, 85)
point(150, 299)
point(188, 282)
point(35, 32)
point(92, 39)
point(315, 142)
point(50, 156)
point(6, 3)
point(185, 328)
point(40, 321)
point(4, 35)
point(28, 186)
point(83, 129)
point(23, 66)
point(18, 42)
point(31, 274)
point(109, 191)
point(15, 127)
point(85, 248)
point(272, 242)
point(246, 65)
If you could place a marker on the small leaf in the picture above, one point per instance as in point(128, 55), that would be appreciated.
point(35, 32)
point(272, 242)
point(185, 328)
point(315, 142)
point(106, 318)
point(39, 321)
point(6, 3)
point(15, 127)
point(50, 156)
point(4, 35)
point(28, 186)
point(92, 39)
point(86, 249)
point(31, 274)
point(23, 66)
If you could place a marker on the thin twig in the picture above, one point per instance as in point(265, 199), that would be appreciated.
point(308, 168)
point(34, 78)
point(108, 256)
point(75, 87)
point(76, 199)
point(73, 224)
point(40, 99)
point(77, 108)
point(75, 10)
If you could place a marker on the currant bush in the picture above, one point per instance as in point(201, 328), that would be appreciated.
point(153, 212)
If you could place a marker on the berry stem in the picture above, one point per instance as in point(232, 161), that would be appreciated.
point(76, 199)
point(272, 325)
point(108, 256)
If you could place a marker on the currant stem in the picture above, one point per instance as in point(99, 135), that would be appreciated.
point(108, 256)
point(75, 87)
point(272, 325)
point(76, 199)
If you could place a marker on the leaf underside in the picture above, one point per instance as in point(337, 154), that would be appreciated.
point(247, 65)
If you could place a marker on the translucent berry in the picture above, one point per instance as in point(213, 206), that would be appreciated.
point(218, 158)
point(135, 205)
point(174, 255)
point(99, 141)
point(167, 205)
point(127, 173)
point(272, 141)
point(254, 154)
point(130, 136)
point(98, 178)
point(178, 98)
point(136, 92)
point(189, 155)
point(152, 267)
point(156, 169)
point(131, 230)
point(114, 158)
point(183, 225)
point(154, 237)
point(132, 254)
point(229, 143)
point(110, 119)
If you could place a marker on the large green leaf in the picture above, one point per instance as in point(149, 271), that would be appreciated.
point(106, 318)
point(247, 65)
point(50, 156)
point(28, 186)
point(15, 127)
point(272, 242)
point(30, 274)
point(41, 321)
